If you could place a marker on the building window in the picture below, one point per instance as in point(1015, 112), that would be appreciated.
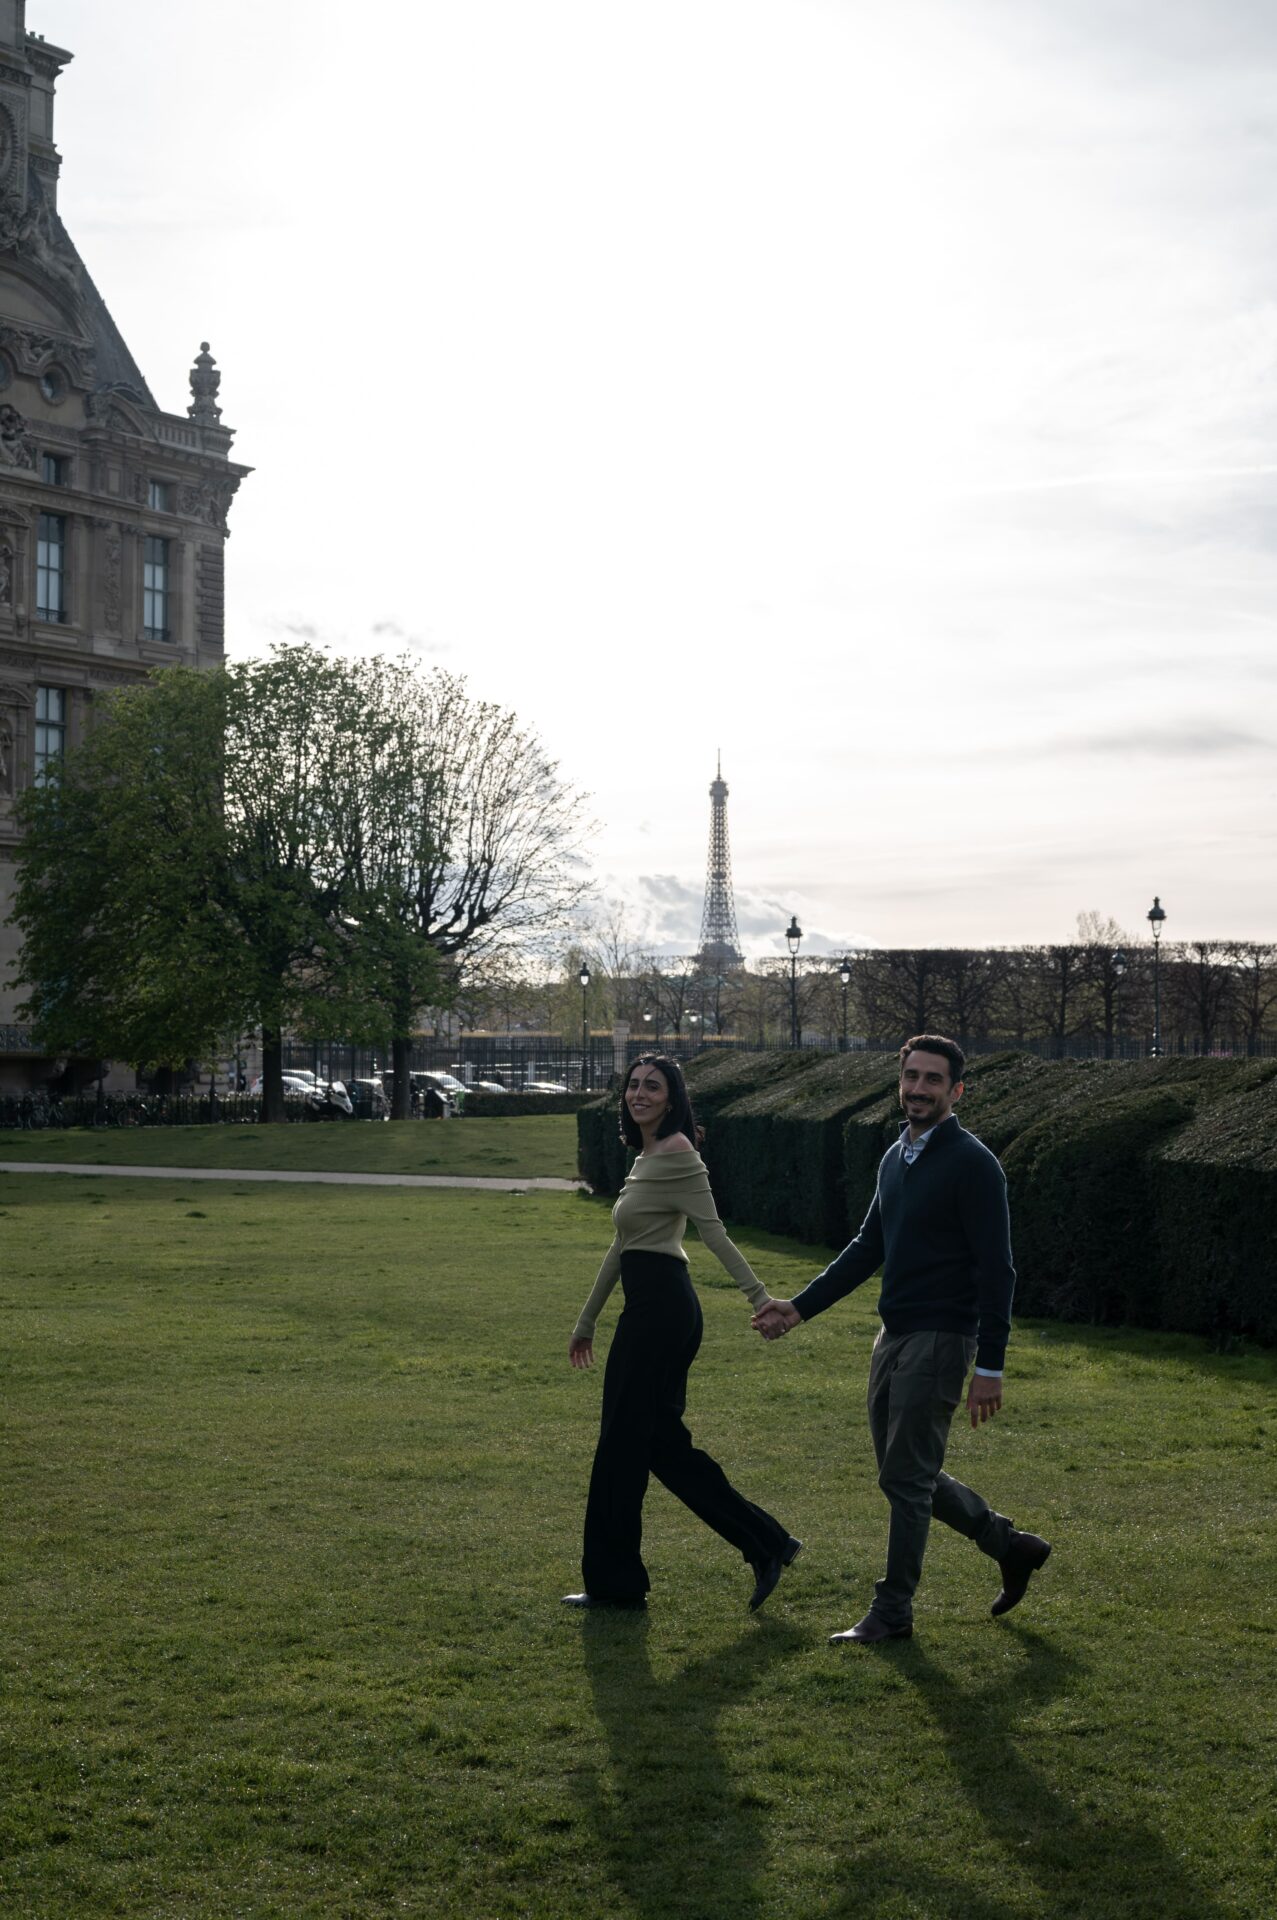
point(50, 568)
point(159, 494)
point(50, 730)
point(55, 470)
point(155, 587)
point(53, 385)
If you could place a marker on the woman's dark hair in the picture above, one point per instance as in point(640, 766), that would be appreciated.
point(679, 1118)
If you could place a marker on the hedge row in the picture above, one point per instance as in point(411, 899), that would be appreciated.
point(493, 1105)
point(1142, 1193)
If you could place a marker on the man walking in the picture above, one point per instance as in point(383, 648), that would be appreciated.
point(938, 1227)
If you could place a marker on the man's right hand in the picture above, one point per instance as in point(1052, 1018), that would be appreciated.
point(776, 1319)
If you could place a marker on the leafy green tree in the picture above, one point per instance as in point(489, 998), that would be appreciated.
point(180, 880)
point(126, 948)
point(465, 841)
point(298, 844)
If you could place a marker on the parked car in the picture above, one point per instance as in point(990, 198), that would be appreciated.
point(544, 1086)
point(443, 1082)
point(368, 1099)
point(487, 1086)
point(293, 1083)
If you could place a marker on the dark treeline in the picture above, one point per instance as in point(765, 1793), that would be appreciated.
point(1214, 993)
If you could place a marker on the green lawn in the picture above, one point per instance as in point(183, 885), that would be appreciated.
point(291, 1483)
point(542, 1145)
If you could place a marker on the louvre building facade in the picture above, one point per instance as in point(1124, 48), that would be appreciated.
point(113, 513)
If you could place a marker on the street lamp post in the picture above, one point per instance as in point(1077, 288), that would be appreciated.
point(844, 975)
point(1118, 962)
point(793, 936)
point(584, 977)
point(693, 1021)
point(1156, 915)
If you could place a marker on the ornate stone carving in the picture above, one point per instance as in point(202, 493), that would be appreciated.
point(100, 407)
point(210, 502)
point(12, 704)
point(9, 148)
point(27, 226)
point(112, 570)
point(205, 380)
point(6, 574)
point(33, 350)
point(17, 449)
point(210, 595)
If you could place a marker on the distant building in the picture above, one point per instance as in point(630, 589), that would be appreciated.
point(112, 512)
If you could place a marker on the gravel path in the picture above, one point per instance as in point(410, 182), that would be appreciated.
point(482, 1182)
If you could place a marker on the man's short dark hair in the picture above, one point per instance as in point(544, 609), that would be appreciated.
point(936, 1043)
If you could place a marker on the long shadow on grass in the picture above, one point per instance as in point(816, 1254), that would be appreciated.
point(1083, 1863)
point(679, 1833)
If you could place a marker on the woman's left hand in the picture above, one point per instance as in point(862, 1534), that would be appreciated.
point(581, 1352)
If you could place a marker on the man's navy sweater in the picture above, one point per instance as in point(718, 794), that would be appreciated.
point(940, 1231)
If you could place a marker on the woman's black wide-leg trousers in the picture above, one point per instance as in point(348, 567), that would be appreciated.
point(642, 1433)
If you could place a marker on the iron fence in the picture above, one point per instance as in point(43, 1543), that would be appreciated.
point(522, 1062)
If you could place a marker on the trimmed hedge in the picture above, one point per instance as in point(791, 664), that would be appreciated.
point(490, 1105)
point(775, 1153)
point(715, 1081)
point(1214, 1196)
point(1141, 1192)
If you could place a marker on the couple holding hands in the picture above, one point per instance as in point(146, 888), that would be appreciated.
point(938, 1228)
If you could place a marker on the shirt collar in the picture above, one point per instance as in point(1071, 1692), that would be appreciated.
point(910, 1149)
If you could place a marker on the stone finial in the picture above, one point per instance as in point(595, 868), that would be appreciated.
point(205, 380)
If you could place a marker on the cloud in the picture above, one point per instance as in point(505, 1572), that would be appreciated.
point(416, 642)
point(1193, 740)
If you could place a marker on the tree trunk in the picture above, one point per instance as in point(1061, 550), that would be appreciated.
point(401, 1092)
point(272, 1075)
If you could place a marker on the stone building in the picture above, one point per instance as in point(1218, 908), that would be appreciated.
point(112, 512)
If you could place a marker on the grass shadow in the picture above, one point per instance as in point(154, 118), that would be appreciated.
point(1079, 1863)
point(678, 1832)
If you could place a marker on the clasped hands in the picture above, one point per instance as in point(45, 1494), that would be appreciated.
point(776, 1319)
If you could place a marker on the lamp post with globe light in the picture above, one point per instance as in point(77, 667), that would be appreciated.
point(584, 977)
point(1156, 915)
point(793, 938)
point(1119, 963)
point(844, 975)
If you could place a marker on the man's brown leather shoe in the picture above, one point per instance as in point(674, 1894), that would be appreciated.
point(1024, 1556)
point(869, 1631)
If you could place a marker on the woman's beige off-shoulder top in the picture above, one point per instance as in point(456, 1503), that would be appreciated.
point(663, 1192)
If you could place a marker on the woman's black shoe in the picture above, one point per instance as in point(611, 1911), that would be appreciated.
point(768, 1572)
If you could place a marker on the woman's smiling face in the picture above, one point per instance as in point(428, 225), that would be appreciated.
point(647, 1096)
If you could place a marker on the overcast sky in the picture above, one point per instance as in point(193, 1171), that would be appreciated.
point(883, 394)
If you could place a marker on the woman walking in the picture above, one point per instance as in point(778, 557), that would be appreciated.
point(656, 1340)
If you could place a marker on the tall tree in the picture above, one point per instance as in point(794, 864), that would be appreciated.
point(127, 950)
point(181, 880)
point(1256, 963)
point(460, 838)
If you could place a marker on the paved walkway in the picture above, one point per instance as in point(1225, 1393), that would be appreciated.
point(544, 1185)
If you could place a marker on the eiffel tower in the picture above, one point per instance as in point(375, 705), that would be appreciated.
point(719, 949)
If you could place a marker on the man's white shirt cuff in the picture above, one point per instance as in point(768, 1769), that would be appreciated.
point(988, 1373)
